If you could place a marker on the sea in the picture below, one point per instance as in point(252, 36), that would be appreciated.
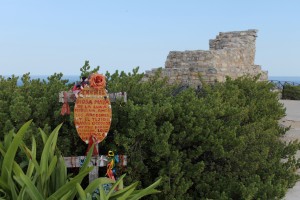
point(76, 78)
point(292, 79)
point(71, 78)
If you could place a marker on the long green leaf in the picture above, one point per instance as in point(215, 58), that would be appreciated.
point(95, 183)
point(46, 152)
point(8, 139)
point(31, 190)
point(31, 155)
point(31, 164)
point(22, 194)
point(43, 135)
point(82, 194)
point(53, 144)
point(51, 167)
point(147, 191)
point(17, 169)
point(13, 189)
point(128, 192)
point(89, 197)
point(18, 172)
point(138, 194)
point(46, 157)
point(70, 186)
point(61, 173)
point(66, 196)
point(11, 152)
point(2, 150)
point(87, 159)
point(125, 192)
point(116, 185)
point(102, 193)
point(4, 185)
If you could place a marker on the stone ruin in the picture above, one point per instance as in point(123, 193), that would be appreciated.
point(230, 54)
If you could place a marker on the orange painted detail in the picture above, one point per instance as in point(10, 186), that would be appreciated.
point(97, 81)
point(92, 114)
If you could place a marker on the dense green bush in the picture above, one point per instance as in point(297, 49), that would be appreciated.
point(222, 142)
point(291, 92)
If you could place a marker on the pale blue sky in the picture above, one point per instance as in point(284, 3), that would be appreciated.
point(43, 37)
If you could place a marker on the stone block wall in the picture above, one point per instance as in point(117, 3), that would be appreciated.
point(230, 54)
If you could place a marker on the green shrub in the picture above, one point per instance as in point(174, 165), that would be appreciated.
point(291, 92)
point(222, 143)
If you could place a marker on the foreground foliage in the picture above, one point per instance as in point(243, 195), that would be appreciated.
point(222, 142)
point(33, 179)
point(47, 178)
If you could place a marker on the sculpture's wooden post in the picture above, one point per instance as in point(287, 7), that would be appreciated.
point(113, 97)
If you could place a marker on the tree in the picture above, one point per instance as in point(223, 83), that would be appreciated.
point(222, 143)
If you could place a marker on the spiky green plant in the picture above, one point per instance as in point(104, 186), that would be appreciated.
point(47, 177)
point(117, 191)
point(43, 179)
point(8, 150)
